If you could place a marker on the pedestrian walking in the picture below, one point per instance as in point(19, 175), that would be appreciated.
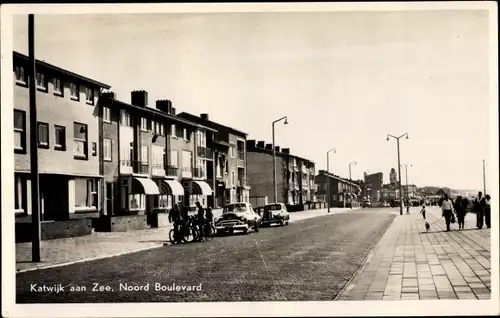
point(460, 210)
point(479, 204)
point(487, 211)
point(447, 208)
point(407, 207)
point(423, 212)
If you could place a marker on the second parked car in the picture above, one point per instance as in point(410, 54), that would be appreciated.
point(238, 217)
point(275, 213)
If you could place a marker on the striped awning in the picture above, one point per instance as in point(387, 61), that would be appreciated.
point(145, 185)
point(201, 188)
point(171, 187)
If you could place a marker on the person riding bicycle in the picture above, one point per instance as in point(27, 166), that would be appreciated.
point(200, 219)
point(175, 216)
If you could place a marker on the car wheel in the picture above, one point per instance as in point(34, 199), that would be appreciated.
point(256, 226)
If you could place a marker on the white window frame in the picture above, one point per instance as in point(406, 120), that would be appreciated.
point(185, 134)
point(92, 194)
point(20, 131)
point(107, 149)
point(233, 181)
point(125, 118)
point(173, 154)
point(58, 90)
point(162, 129)
point(157, 161)
point(106, 114)
point(89, 92)
point(231, 149)
point(144, 124)
point(43, 143)
point(41, 81)
point(20, 74)
point(18, 184)
point(74, 91)
point(144, 154)
point(56, 143)
point(81, 141)
point(140, 199)
point(173, 132)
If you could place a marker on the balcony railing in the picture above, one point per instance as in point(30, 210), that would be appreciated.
point(206, 153)
point(141, 168)
point(186, 172)
point(172, 171)
point(199, 173)
point(126, 166)
point(243, 182)
point(158, 170)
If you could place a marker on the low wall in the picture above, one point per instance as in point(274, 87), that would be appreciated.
point(122, 223)
point(51, 230)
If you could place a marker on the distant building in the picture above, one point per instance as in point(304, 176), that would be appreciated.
point(294, 175)
point(342, 191)
point(389, 192)
point(409, 191)
point(374, 184)
point(393, 177)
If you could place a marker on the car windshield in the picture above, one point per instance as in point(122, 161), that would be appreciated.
point(235, 208)
point(272, 207)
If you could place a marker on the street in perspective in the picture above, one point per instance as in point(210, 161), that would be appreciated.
point(260, 156)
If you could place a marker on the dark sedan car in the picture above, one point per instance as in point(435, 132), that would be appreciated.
point(275, 213)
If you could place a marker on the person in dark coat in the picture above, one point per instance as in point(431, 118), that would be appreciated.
point(175, 216)
point(479, 204)
point(200, 218)
point(460, 211)
point(487, 211)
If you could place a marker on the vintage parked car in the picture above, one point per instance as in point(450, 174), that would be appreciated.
point(275, 213)
point(367, 204)
point(238, 217)
point(385, 205)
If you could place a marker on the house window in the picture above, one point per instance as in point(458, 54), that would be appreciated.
point(18, 194)
point(20, 75)
point(157, 128)
point(137, 201)
point(107, 149)
point(19, 130)
point(185, 134)
point(60, 137)
point(174, 159)
point(125, 119)
point(144, 159)
point(74, 91)
point(106, 114)
point(233, 180)
point(85, 194)
point(231, 150)
point(157, 157)
point(164, 201)
point(41, 82)
point(89, 95)
point(43, 135)
point(144, 124)
point(58, 87)
point(162, 129)
point(173, 132)
point(226, 165)
point(80, 149)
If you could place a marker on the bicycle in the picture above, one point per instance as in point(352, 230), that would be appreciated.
point(188, 232)
point(208, 231)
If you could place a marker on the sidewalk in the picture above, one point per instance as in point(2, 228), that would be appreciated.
point(410, 264)
point(99, 245)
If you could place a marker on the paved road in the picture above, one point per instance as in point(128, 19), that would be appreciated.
point(307, 260)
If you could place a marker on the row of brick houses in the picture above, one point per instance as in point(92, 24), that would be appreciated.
point(110, 165)
point(343, 192)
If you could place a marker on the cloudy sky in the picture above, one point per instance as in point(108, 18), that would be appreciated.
point(344, 79)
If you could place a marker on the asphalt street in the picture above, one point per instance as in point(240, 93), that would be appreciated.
point(311, 259)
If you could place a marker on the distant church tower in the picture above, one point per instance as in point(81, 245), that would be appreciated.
point(393, 177)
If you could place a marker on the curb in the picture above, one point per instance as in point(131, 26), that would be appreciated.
point(348, 286)
point(40, 267)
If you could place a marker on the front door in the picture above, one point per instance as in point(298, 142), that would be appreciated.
point(109, 199)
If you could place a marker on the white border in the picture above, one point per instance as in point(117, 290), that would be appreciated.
point(338, 308)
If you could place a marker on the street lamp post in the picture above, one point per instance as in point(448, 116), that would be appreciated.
point(275, 187)
point(350, 180)
point(328, 176)
point(484, 179)
point(399, 170)
point(406, 174)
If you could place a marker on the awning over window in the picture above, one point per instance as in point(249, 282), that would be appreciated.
point(147, 185)
point(171, 187)
point(201, 188)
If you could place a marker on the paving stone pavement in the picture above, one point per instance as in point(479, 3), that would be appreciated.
point(104, 244)
point(410, 263)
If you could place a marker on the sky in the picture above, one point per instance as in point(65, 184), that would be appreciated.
point(344, 79)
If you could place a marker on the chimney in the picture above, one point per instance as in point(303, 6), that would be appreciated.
point(172, 110)
point(108, 95)
point(269, 146)
point(163, 105)
point(285, 150)
point(277, 148)
point(261, 144)
point(250, 144)
point(204, 116)
point(139, 98)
